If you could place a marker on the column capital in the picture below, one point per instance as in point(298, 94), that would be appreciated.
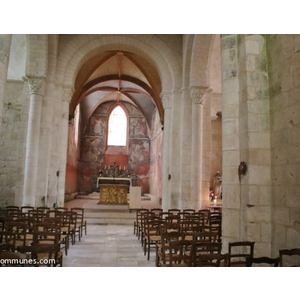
point(68, 92)
point(197, 93)
point(36, 85)
point(166, 98)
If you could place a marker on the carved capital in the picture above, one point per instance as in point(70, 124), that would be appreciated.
point(36, 85)
point(198, 93)
point(68, 92)
point(167, 99)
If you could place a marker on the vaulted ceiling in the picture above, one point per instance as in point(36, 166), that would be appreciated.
point(118, 76)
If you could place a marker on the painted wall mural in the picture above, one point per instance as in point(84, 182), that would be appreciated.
point(95, 154)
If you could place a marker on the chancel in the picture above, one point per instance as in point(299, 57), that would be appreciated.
point(113, 124)
point(114, 184)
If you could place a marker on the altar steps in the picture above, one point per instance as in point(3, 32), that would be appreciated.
point(104, 214)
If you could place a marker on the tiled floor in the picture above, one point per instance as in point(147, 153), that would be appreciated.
point(108, 246)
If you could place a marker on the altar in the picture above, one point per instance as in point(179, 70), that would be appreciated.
point(113, 194)
point(116, 180)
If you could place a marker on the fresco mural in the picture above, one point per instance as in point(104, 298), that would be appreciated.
point(138, 127)
point(96, 126)
point(94, 153)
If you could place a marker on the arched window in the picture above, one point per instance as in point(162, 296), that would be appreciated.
point(117, 127)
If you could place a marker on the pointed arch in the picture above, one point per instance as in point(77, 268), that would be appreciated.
point(117, 127)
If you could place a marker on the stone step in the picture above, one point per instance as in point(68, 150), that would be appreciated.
point(109, 221)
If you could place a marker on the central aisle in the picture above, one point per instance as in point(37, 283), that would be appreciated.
point(108, 246)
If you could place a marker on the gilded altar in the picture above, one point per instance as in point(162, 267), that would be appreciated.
point(113, 194)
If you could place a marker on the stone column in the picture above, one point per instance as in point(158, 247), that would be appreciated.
point(5, 42)
point(197, 96)
point(36, 85)
point(166, 157)
point(232, 229)
point(43, 177)
point(64, 127)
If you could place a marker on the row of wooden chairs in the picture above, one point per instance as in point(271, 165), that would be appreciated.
point(151, 224)
point(241, 254)
point(43, 229)
point(175, 249)
point(41, 212)
point(171, 212)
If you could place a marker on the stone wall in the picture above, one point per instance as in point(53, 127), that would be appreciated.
point(9, 142)
point(284, 71)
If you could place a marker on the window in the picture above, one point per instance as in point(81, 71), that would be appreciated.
point(117, 127)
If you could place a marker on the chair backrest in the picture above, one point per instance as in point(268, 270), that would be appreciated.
point(45, 209)
point(204, 248)
point(206, 236)
point(61, 208)
point(38, 215)
point(213, 260)
point(42, 254)
point(46, 238)
point(166, 238)
point(26, 208)
point(262, 261)
point(206, 213)
point(239, 251)
point(8, 240)
point(174, 211)
point(156, 211)
point(180, 254)
point(289, 257)
point(189, 210)
point(20, 231)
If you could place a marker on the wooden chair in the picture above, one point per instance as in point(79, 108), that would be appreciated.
point(8, 241)
point(37, 215)
point(172, 218)
point(189, 227)
point(212, 260)
point(179, 254)
point(9, 209)
point(174, 211)
point(289, 257)
point(55, 224)
point(206, 213)
point(43, 255)
point(43, 238)
point(16, 215)
point(238, 253)
point(61, 208)
point(205, 236)
point(80, 221)
point(162, 246)
point(26, 208)
point(141, 232)
point(188, 210)
point(137, 222)
point(262, 261)
point(44, 209)
point(204, 248)
point(152, 233)
point(20, 231)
